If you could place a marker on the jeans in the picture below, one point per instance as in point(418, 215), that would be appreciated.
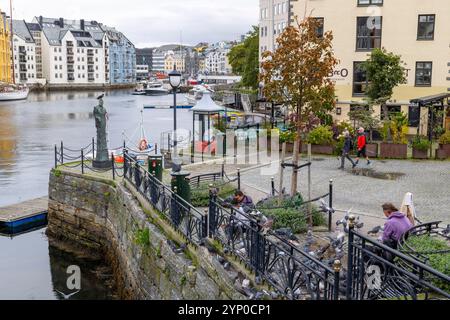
point(346, 156)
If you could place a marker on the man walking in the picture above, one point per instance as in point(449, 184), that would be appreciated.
point(362, 146)
point(346, 150)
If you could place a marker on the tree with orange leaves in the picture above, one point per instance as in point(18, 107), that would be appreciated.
point(297, 75)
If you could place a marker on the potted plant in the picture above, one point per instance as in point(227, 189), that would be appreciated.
point(288, 136)
point(443, 152)
point(420, 146)
point(321, 139)
point(397, 128)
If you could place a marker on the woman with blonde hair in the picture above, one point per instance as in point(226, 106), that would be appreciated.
point(408, 208)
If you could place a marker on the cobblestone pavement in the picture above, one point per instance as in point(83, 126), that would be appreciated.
point(367, 187)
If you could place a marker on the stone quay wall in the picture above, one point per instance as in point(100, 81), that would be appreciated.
point(150, 260)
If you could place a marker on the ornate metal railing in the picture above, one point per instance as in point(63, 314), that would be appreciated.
point(186, 219)
point(293, 272)
point(376, 271)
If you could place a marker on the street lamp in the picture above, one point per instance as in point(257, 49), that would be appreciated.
point(175, 81)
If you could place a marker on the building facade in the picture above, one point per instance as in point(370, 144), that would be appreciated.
point(273, 19)
point(416, 30)
point(174, 59)
point(142, 72)
point(145, 57)
point(158, 61)
point(36, 33)
point(216, 61)
point(5, 50)
point(24, 53)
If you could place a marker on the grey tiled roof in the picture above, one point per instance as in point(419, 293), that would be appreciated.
point(21, 30)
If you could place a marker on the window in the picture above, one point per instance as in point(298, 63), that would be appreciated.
point(426, 27)
point(370, 2)
point(414, 116)
point(424, 74)
point(368, 33)
point(360, 81)
point(319, 30)
point(392, 110)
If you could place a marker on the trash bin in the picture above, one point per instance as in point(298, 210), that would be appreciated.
point(179, 180)
point(156, 165)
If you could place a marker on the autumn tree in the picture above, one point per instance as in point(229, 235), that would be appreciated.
point(244, 59)
point(297, 73)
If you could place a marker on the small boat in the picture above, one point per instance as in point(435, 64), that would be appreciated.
point(196, 93)
point(12, 93)
point(140, 89)
point(155, 89)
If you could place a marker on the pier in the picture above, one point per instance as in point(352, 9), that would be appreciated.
point(24, 214)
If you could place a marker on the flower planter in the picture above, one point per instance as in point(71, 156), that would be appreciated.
point(372, 150)
point(393, 150)
point(321, 149)
point(420, 154)
point(443, 152)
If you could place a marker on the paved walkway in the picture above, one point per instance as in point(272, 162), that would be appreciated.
point(364, 189)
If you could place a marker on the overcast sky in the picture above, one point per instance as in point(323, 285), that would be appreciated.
point(152, 22)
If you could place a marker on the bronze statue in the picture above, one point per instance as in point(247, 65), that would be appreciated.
point(100, 115)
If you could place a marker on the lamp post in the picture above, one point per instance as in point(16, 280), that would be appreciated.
point(175, 81)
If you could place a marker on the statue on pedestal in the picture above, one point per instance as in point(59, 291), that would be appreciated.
point(100, 115)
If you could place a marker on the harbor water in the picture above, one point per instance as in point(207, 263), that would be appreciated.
point(31, 265)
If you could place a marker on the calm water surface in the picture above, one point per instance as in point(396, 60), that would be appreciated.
point(30, 129)
point(31, 265)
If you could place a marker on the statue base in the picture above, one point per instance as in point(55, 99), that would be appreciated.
point(102, 164)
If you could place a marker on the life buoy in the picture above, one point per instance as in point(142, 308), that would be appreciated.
point(143, 145)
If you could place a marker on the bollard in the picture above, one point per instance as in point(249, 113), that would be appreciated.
point(337, 266)
point(239, 178)
point(330, 204)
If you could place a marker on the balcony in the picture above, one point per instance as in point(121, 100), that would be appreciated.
point(90, 53)
point(70, 77)
point(70, 69)
point(70, 60)
point(91, 69)
point(69, 44)
point(90, 61)
point(69, 51)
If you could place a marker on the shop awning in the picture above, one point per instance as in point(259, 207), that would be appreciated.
point(430, 100)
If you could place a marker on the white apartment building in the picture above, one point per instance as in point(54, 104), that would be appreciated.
point(216, 62)
point(159, 61)
point(70, 54)
point(273, 19)
point(24, 54)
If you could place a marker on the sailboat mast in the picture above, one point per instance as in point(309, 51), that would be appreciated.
point(11, 32)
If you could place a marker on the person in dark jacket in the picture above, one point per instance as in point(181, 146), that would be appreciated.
point(346, 150)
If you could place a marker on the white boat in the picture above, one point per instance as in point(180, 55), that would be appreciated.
point(196, 93)
point(155, 89)
point(11, 93)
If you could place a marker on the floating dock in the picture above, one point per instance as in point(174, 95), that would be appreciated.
point(24, 215)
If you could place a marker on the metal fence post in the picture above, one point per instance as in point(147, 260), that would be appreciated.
point(113, 166)
point(349, 289)
point(239, 178)
point(82, 161)
point(212, 211)
point(56, 156)
point(62, 153)
point(272, 182)
point(330, 204)
point(337, 266)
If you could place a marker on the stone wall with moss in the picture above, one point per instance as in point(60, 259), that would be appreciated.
point(150, 260)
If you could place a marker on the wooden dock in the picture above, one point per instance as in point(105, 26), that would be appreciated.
point(23, 213)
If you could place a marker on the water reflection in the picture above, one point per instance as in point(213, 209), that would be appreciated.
point(30, 129)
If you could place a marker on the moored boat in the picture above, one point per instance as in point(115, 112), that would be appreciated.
point(12, 93)
point(155, 89)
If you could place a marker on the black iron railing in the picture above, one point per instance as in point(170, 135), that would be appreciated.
point(376, 271)
point(293, 272)
point(186, 219)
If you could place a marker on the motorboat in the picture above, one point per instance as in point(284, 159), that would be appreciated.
point(155, 89)
point(13, 92)
point(196, 93)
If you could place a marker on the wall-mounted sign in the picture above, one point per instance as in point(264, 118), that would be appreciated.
point(339, 74)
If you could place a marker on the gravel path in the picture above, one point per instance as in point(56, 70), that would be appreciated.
point(428, 181)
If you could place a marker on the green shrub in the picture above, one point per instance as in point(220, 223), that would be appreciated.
point(288, 136)
point(445, 138)
point(438, 261)
point(421, 143)
point(322, 135)
point(200, 195)
point(142, 237)
point(291, 214)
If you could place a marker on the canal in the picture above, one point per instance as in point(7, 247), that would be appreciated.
point(32, 266)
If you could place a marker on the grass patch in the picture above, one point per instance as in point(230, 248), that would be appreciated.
point(142, 237)
point(200, 195)
point(291, 213)
point(438, 261)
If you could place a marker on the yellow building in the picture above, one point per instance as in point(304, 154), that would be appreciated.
point(416, 30)
point(5, 50)
point(174, 59)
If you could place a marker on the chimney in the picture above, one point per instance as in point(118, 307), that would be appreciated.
point(61, 22)
point(41, 20)
point(82, 24)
